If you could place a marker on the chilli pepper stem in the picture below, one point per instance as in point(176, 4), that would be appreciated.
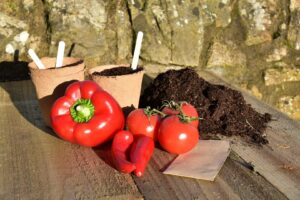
point(82, 110)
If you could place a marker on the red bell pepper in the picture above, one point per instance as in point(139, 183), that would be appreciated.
point(141, 152)
point(86, 114)
point(120, 146)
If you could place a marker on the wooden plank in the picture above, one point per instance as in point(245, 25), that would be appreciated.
point(233, 182)
point(35, 164)
point(279, 161)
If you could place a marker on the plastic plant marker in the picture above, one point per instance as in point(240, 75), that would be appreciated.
point(60, 54)
point(137, 50)
point(36, 59)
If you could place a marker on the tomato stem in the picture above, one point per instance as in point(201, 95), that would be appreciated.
point(187, 119)
point(178, 107)
point(82, 110)
point(174, 105)
point(171, 104)
point(149, 112)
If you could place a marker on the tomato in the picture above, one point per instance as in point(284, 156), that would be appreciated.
point(186, 108)
point(142, 122)
point(177, 137)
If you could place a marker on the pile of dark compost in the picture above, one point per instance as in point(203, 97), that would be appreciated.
point(224, 110)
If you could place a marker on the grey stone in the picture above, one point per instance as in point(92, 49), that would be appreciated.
point(294, 26)
point(218, 11)
point(153, 21)
point(10, 24)
point(21, 28)
point(277, 54)
point(173, 31)
point(124, 35)
point(290, 105)
point(261, 19)
point(276, 76)
point(187, 33)
point(99, 31)
point(227, 61)
point(294, 5)
point(28, 4)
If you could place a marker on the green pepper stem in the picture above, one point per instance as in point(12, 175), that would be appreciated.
point(82, 110)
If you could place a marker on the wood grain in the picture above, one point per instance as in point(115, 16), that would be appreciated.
point(233, 182)
point(279, 161)
point(34, 164)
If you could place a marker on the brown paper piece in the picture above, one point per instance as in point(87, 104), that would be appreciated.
point(203, 162)
point(50, 83)
point(126, 89)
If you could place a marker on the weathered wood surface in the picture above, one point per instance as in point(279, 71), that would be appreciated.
point(278, 161)
point(37, 165)
point(34, 164)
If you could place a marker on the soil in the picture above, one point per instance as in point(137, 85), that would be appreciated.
point(122, 70)
point(224, 110)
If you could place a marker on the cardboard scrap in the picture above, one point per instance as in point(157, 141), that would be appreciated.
point(203, 162)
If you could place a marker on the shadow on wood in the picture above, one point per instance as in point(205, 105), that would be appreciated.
point(13, 71)
point(104, 152)
point(24, 99)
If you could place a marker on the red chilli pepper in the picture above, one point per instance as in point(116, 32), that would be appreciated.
point(86, 114)
point(120, 145)
point(141, 152)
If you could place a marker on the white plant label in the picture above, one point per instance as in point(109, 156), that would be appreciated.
point(36, 59)
point(60, 54)
point(137, 50)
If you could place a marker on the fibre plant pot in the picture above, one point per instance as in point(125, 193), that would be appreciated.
point(50, 83)
point(125, 88)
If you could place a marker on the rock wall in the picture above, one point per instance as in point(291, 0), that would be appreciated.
point(255, 44)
